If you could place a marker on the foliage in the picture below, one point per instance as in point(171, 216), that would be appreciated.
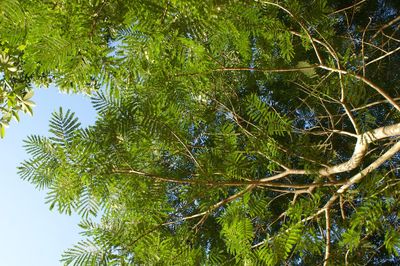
point(228, 132)
point(62, 42)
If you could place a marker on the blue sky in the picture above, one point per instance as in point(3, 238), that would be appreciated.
point(31, 234)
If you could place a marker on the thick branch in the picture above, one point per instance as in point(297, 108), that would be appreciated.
point(361, 149)
point(355, 179)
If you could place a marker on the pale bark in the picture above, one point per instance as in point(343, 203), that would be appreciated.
point(356, 179)
point(353, 180)
point(361, 149)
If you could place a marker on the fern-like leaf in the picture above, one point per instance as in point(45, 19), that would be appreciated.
point(63, 126)
point(85, 253)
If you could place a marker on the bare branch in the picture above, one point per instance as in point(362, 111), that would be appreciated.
point(269, 70)
point(184, 145)
point(329, 131)
point(265, 182)
point(328, 237)
point(383, 56)
point(342, 213)
point(390, 23)
point(366, 81)
point(391, 37)
point(362, 46)
point(347, 8)
point(361, 148)
point(355, 179)
point(333, 53)
point(373, 104)
point(358, 177)
point(349, 114)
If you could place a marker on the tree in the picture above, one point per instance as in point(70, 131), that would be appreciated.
point(233, 132)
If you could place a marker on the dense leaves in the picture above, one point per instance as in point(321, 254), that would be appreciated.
point(228, 132)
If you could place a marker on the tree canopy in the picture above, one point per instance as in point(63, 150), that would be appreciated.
point(228, 132)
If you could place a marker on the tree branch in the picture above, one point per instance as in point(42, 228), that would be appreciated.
point(366, 81)
point(349, 7)
point(390, 23)
point(355, 179)
point(383, 56)
point(328, 237)
point(361, 148)
point(265, 182)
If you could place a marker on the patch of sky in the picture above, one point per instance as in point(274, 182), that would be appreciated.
point(305, 119)
point(26, 224)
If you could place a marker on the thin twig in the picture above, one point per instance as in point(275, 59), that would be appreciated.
point(391, 37)
point(390, 23)
point(333, 53)
point(329, 131)
point(362, 45)
point(265, 182)
point(376, 47)
point(346, 8)
point(373, 104)
point(366, 81)
point(269, 70)
point(383, 56)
